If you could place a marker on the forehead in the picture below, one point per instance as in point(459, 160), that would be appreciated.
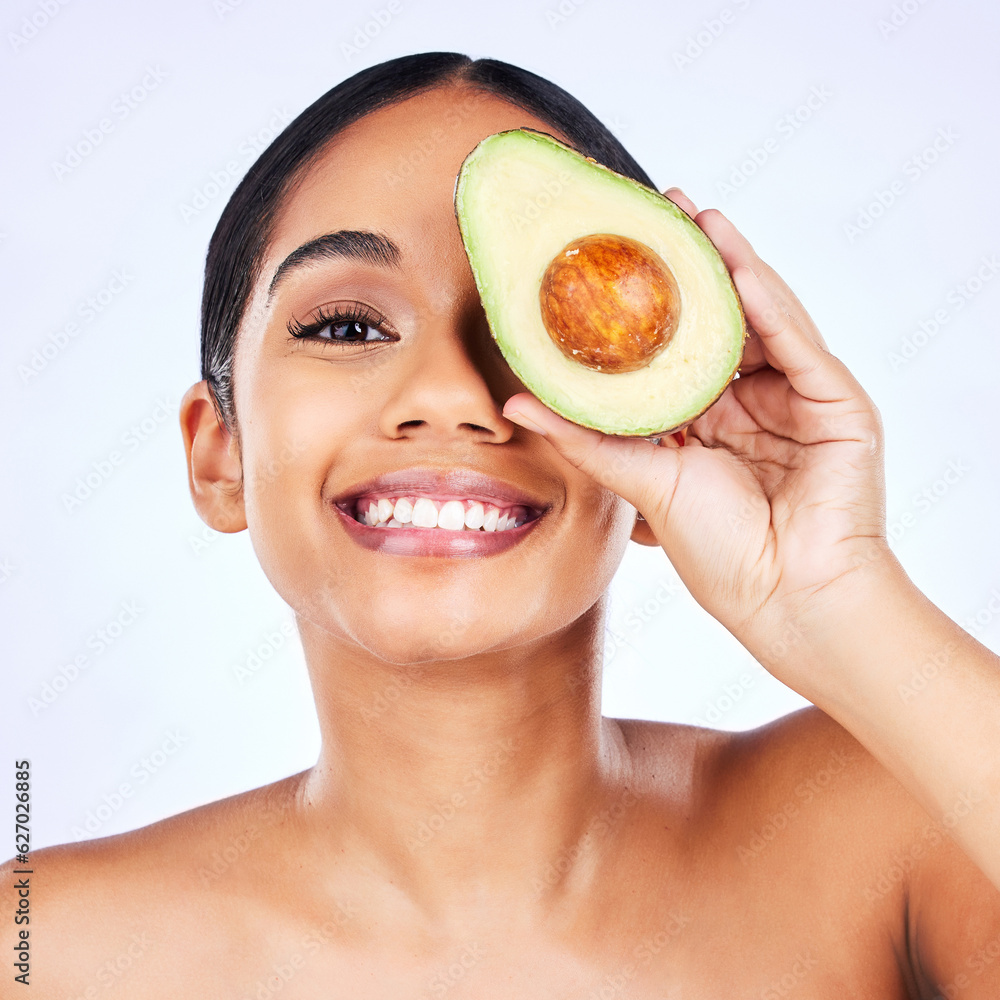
point(394, 172)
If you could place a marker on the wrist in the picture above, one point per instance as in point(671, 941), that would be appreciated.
point(816, 645)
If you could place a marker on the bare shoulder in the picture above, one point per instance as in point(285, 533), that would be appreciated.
point(798, 795)
point(802, 759)
point(100, 908)
point(182, 845)
point(803, 766)
point(809, 812)
point(805, 782)
point(904, 866)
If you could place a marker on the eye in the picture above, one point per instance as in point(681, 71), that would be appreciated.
point(352, 324)
point(349, 330)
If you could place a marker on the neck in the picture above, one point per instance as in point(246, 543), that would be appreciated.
point(468, 778)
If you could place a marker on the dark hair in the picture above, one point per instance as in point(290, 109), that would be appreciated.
point(236, 250)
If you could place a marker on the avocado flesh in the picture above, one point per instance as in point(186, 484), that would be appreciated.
point(520, 197)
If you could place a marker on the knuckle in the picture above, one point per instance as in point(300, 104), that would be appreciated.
point(773, 320)
point(590, 456)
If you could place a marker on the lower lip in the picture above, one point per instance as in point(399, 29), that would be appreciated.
point(434, 541)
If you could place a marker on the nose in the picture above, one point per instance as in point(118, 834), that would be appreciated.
point(454, 383)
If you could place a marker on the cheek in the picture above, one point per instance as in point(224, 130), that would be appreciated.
point(603, 526)
point(293, 434)
point(297, 424)
point(584, 549)
point(619, 518)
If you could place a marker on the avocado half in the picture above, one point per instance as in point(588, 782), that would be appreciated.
point(522, 198)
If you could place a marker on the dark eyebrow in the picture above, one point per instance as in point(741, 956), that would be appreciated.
point(370, 248)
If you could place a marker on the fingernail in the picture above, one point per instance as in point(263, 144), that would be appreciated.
point(519, 418)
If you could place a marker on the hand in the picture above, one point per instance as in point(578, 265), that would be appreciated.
point(778, 492)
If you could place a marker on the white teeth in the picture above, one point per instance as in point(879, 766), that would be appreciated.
point(425, 514)
point(452, 515)
point(403, 511)
point(475, 515)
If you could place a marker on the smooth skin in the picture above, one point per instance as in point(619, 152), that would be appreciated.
point(474, 827)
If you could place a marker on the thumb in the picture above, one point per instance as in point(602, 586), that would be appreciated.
point(635, 468)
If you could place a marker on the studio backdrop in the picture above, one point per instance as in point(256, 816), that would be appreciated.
point(148, 664)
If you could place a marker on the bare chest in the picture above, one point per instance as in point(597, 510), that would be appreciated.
point(700, 947)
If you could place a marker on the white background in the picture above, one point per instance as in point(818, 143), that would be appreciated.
point(227, 73)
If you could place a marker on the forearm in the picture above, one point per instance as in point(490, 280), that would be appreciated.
point(915, 689)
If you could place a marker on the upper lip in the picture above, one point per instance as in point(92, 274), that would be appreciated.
point(466, 483)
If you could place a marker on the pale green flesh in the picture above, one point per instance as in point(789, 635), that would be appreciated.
point(520, 198)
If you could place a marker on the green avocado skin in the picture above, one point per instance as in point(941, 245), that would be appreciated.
point(520, 197)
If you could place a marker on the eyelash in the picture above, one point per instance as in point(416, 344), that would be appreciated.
point(355, 312)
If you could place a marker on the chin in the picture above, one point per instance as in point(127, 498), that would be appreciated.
point(424, 637)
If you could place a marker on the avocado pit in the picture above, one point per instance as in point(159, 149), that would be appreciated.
point(609, 302)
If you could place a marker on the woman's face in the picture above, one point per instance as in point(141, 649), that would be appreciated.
point(419, 401)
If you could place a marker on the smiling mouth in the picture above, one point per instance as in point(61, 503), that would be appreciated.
point(441, 513)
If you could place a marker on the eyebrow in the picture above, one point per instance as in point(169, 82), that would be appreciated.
point(369, 248)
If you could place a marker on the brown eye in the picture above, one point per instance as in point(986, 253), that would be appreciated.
point(351, 331)
point(350, 325)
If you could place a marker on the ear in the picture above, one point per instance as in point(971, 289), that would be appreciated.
point(215, 473)
point(642, 532)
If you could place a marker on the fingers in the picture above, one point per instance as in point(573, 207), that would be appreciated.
point(681, 200)
point(812, 371)
point(736, 251)
point(635, 468)
point(786, 337)
point(754, 357)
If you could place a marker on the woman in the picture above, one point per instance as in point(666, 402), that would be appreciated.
point(473, 823)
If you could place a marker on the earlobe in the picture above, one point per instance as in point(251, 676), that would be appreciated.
point(215, 475)
point(642, 532)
